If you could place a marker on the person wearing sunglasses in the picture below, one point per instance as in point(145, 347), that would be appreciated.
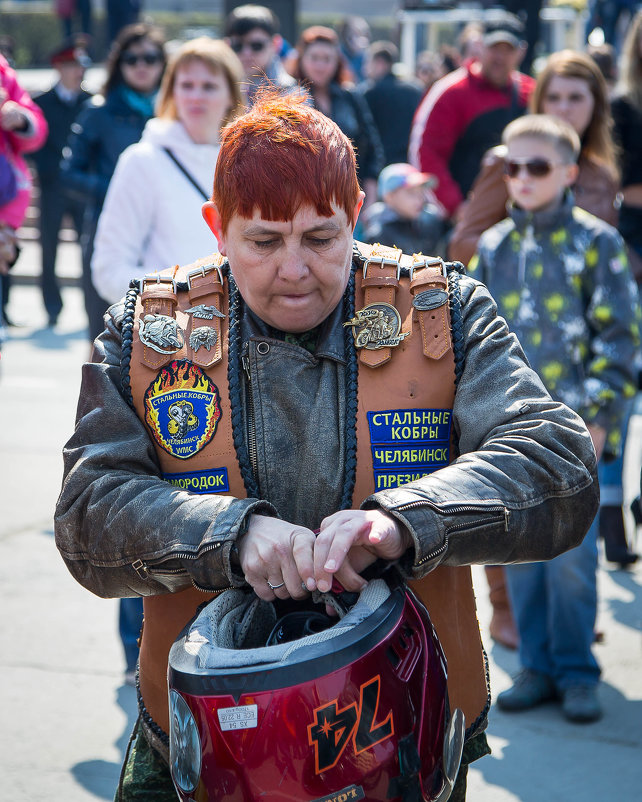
point(253, 34)
point(111, 122)
point(570, 86)
point(561, 280)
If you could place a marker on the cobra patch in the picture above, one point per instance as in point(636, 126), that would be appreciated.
point(376, 326)
point(408, 444)
point(182, 409)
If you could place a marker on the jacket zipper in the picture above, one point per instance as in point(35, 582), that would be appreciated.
point(503, 513)
point(142, 569)
point(251, 424)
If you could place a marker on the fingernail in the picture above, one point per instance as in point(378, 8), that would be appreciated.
point(310, 583)
point(330, 565)
point(323, 586)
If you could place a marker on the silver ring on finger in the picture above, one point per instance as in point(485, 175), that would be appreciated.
point(274, 587)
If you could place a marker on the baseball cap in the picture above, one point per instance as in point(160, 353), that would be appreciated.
point(503, 28)
point(395, 176)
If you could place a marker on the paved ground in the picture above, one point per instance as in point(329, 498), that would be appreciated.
point(66, 714)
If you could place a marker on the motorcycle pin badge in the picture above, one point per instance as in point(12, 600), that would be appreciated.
point(376, 326)
point(161, 333)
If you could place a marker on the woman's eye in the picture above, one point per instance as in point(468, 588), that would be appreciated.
point(319, 242)
point(264, 243)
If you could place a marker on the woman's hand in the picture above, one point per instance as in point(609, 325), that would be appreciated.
point(277, 558)
point(350, 540)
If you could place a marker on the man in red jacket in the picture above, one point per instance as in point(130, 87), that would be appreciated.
point(464, 113)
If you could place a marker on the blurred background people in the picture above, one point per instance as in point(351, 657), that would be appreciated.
point(404, 217)
point(60, 105)
point(320, 68)
point(120, 14)
point(627, 114)
point(68, 11)
point(465, 112)
point(151, 217)
point(604, 56)
point(392, 101)
point(354, 38)
point(23, 129)
point(429, 68)
point(572, 87)
point(111, 122)
point(253, 34)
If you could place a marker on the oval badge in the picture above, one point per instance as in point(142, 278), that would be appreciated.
point(430, 299)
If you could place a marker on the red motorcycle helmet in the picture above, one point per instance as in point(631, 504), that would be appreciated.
point(309, 708)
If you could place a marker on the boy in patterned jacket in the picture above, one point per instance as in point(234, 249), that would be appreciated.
point(561, 279)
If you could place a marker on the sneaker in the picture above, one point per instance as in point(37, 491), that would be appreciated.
point(580, 703)
point(530, 689)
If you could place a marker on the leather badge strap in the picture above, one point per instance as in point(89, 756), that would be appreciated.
point(380, 283)
point(429, 288)
point(157, 328)
point(204, 342)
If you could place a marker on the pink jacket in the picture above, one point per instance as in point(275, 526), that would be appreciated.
point(13, 145)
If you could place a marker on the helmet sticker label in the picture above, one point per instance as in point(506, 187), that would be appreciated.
point(182, 409)
point(408, 444)
point(243, 717)
point(344, 795)
point(334, 729)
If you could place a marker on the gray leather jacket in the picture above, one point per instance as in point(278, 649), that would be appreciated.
point(523, 489)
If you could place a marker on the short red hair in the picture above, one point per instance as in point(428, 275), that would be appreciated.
point(281, 155)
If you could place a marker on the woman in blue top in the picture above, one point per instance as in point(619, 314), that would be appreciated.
point(111, 122)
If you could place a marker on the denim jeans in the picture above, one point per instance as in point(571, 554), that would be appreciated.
point(555, 604)
point(130, 622)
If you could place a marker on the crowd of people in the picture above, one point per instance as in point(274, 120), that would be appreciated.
point(532, 181)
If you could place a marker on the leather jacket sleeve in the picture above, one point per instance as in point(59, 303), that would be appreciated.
point(121, 529)
point(525, 485)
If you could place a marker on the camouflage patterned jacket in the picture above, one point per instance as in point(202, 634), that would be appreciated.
point(561, 280)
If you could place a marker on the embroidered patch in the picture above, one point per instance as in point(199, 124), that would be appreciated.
point(214, 481)
point(182, 409)
point(408, 444)
point(376, 326)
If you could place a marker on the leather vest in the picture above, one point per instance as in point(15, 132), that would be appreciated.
point(406, 387)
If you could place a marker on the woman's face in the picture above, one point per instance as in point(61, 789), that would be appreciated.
point(571, 100)
point(202, 99)
point(319, 63)
point(141, 65)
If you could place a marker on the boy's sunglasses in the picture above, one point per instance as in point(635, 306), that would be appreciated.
point(536, 168)
point(131, 59)
point(255, 45)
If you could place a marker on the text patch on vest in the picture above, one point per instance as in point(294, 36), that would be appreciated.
point(182, 409)
point(214, 481)
point(408, 444)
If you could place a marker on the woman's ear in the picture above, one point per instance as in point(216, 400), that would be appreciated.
point(213, 219)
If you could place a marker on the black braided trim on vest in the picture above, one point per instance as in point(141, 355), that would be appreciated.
point(158, 731)
point(351, 396)
point(456, 322)
point(234, 368)
point(481, 718)
point(127, 341)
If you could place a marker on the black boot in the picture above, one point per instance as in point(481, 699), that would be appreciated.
point(612, 531)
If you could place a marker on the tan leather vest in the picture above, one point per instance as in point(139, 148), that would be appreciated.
point(405, 399)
